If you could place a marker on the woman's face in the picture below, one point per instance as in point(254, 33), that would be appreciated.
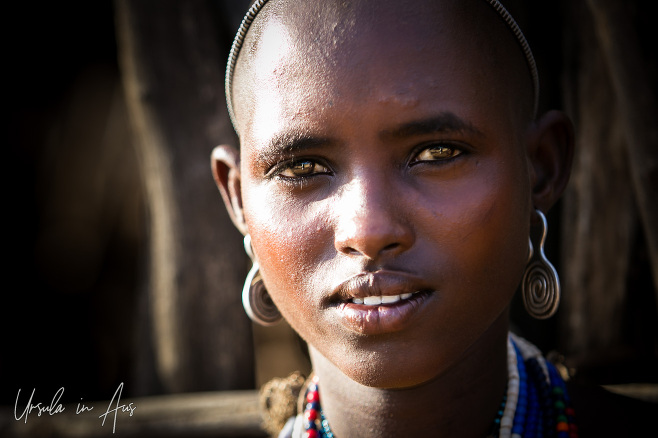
point(392, 169)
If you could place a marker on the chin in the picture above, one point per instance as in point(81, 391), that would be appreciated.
point(377, 370)
point(388, 381)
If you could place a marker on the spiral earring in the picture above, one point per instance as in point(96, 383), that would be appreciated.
point(255, 299)
point(541, 285)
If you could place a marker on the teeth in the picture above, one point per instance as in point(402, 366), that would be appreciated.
point(390, 299)
point(372, 301)
point(384, 299)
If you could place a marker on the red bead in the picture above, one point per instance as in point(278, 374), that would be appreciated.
point(573, 428)
point(312, 396)
point(311, 433)
point(311, 415)
point(562, 427)
point(570, 411)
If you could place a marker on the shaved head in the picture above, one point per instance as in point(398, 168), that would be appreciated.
point(334, 42)
point(397, 138)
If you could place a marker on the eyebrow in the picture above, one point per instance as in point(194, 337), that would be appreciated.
point(294, 141)
point(289, 143)
point(445, 122)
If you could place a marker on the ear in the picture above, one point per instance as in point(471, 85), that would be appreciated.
point(225, 164)
point(550, 152)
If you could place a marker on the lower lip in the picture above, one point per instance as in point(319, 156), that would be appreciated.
point(384, 318)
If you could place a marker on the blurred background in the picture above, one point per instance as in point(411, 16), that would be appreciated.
point(122, 265)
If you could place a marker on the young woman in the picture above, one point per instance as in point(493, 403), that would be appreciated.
point(391, 170)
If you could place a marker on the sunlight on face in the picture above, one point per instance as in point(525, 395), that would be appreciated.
point(413, 170)
point(272, 61)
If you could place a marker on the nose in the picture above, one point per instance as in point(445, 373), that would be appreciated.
point(371, 222)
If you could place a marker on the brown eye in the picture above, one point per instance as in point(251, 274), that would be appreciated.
point(437, 153)
point(302, 168)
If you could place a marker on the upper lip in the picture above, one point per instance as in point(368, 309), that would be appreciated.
point(378, 283)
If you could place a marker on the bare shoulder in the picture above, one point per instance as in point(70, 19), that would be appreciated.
point(602, 413)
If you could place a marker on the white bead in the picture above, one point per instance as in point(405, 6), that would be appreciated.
point(512, 392)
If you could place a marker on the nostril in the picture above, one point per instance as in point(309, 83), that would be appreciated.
point(390, 246)
point(355, 252)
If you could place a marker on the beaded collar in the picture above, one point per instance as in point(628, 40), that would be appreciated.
point(536, 403)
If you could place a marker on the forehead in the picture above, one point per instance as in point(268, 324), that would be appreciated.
point(302, 58)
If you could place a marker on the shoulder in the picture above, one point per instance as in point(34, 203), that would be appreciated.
point(601, 413)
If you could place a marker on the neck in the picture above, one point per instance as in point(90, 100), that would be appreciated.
point(462, 401)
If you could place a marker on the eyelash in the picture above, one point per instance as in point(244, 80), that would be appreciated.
point(455, 152)
point(277, 171)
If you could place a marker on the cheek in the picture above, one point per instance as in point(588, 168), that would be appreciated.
point(487, 231)
point(288, 241)
point(495, 251)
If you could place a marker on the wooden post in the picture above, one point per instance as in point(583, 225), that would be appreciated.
point(637, 100)
point(172, 56)
point(611, 200)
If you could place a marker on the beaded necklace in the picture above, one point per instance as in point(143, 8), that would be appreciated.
point(536, 403)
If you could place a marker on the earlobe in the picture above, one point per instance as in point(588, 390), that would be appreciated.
point(550, 151)
point(225, 164)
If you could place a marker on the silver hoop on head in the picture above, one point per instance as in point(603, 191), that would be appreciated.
point(235, 51)
point(253, 11)
point(523, 42)
point(256, 300)
point(540, 286)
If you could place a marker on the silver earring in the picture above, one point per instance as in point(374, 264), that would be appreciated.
point(541, 285)
point(255, 299)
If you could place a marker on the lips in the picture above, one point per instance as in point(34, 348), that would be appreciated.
point(381, 302)
point(382, 299)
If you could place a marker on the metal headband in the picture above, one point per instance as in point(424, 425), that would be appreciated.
point(258, 5)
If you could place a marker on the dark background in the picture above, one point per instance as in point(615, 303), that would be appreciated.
point(74, 236)
point(76, 216)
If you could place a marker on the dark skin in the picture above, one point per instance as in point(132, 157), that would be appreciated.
point(387, 152)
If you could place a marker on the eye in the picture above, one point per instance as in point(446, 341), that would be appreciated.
point(438, 152)
point(302, 168)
